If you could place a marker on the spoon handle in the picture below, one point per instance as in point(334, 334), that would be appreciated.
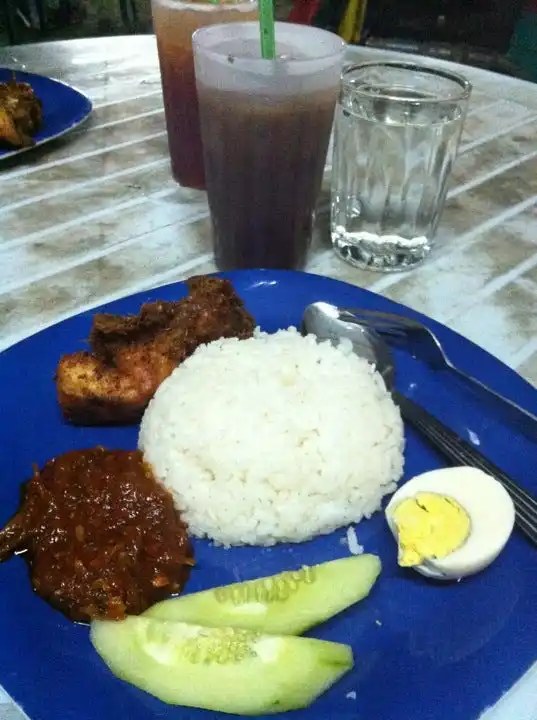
point(460, 452)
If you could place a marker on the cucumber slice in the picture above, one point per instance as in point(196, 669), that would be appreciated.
point(224, 669)
point(286, 604)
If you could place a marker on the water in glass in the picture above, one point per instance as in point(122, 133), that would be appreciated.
point(393, 153)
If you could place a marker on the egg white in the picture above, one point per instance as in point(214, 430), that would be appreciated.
point(485, 500)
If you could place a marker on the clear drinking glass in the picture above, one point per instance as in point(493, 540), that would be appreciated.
point(265, 127)
point(174, 22)
point(397, 131)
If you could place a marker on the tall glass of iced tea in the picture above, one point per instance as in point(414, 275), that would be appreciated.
point(265, 126)
point(174, 21)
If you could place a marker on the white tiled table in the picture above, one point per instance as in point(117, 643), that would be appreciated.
point(97, 216)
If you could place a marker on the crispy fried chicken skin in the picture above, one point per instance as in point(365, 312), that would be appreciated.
point(102, 537)
point(131, 355)
point(21, 114)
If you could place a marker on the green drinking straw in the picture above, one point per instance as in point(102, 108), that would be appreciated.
point(266, 24)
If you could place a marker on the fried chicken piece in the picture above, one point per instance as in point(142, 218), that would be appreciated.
point(102, 537)
point(9, 133)
point(131, 355)
point(21, 114)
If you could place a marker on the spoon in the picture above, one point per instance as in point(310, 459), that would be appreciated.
point(325, 321)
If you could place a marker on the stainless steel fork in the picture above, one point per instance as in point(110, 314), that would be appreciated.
point(422, 343)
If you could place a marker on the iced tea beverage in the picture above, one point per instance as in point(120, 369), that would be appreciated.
point(265, 127)
point(174, 21)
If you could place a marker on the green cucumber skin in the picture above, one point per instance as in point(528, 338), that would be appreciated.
point(337, 585)
point(284, 673)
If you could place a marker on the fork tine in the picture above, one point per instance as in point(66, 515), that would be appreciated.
point(528, 527)
point(383, 329)
point(459, 449)
point(393, 334)
point(396, 336)
point(377, 315)
point(461, 452)
point(526, 511)
point(379, 324)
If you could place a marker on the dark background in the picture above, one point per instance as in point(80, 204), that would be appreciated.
point(476, 32)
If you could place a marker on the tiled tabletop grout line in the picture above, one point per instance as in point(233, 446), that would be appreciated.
point(525, 352)
point(84, 218)
point(96, 254)
point(152, 282)
point(491, 287)
point(480, 179)
point(468, 147)
point(121, 121)
point(83, 156)
point(467, 238)
point(28, 171)
point(130, 98)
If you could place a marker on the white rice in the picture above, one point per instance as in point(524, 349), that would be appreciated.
point(274, 438)
point(352, 542)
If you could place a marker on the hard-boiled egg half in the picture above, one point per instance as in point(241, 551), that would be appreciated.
point(450, 523)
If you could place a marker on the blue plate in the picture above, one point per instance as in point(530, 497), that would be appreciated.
point(424, 651)
point(64, 108)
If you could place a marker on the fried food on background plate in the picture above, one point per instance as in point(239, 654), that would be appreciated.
point(131, 355)
point(21, 114)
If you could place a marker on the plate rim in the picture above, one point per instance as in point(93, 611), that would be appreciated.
point(265, 276)
point(435, 325)
point(10, 154)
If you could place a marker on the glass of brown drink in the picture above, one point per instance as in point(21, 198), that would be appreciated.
point(174, 21)
point(265, 127)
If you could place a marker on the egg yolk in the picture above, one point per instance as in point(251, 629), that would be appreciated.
point(429, 526)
